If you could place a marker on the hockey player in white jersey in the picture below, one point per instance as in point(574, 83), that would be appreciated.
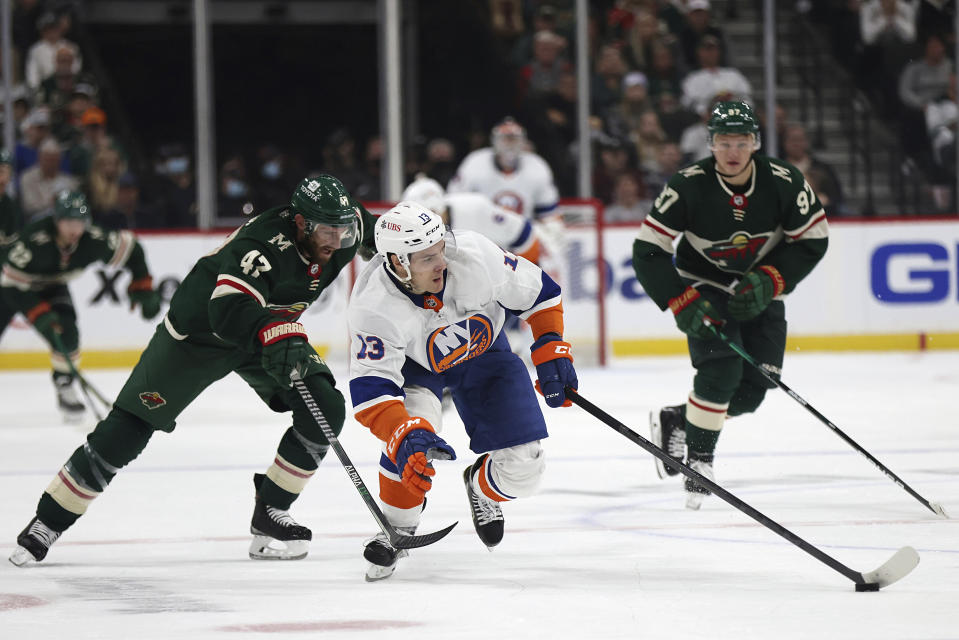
point(509, 175)
point(427, 314)
point(476, 212)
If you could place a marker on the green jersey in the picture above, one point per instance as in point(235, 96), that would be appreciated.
point(9, 223)
point(724, 230)
point(258, 276)
point(36, 262)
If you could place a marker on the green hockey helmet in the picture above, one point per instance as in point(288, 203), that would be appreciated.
point(71, 205)
point(733, 117)
point(324, 201)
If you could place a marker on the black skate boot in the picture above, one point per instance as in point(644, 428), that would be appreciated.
point(67, 399)
point(487, 515)
point(33, 543)
point(276, 535)
point(383, 556)
point(668, 429)
point(696, 493)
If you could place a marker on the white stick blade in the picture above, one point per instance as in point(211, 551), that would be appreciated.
point(939, 510)
point(895, 568)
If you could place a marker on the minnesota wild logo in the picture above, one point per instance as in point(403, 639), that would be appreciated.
point(152, 400)
point(738, 252)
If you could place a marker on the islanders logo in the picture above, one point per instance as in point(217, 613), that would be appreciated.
point(509, 200)
point(456, 343)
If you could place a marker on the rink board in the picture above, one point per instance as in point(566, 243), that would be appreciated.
point(882, 285)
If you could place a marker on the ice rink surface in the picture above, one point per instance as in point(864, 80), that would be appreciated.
point(606, 550)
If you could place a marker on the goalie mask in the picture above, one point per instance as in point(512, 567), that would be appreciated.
point(427, 192)
point(327, 208)
point(733, 118)
point(405, 229)
point(509, 141)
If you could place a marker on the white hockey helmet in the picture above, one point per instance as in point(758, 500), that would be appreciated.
point(405, 229)
point(509, 140)
point(427, 192)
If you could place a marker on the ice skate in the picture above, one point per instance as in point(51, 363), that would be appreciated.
point(668, 429)
point(383, 556)
point(487, 515)
point(69, 402)
point(33, 543)
point(703, 464)
point(276, 535)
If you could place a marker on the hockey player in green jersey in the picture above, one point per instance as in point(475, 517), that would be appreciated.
point(50, 253)
point(236, 311)
point(10, 222)
point(750, 228)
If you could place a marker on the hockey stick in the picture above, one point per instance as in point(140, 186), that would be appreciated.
point(935, 507)
point(85, 385)
point(895, 568)
point(397, 539)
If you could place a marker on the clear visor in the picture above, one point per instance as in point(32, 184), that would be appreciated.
point(339, 236)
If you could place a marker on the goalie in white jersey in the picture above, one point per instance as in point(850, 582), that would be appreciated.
point(476, 212)
point(509, 175)
point(426, 314)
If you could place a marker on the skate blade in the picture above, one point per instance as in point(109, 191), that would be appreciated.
point(375, 572)
point(267, 548)
point(21, 557)
point(694, 500)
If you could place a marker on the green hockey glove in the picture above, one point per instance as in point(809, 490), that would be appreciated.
point(142, 293)
point(691, 311)
point(755, 291)
point(285, 348)
point(46, 321)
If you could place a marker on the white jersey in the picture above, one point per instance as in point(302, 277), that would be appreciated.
point(476, 212)
point(529, 190)
point(438, 332)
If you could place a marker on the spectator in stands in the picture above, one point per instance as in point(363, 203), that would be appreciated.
point(126, 213)
point(544, 19)
point(624, 117)
point(373, 169)
point(41, 57)
point(628, 204)
point(553, 130)
point(235, 198)
point(606, 87)
point(58, 91)
point(699, 24)
point(541, 74)
point(827, 186)
point(273, 182)
point(694, 143)
point(614, 161)
point(922, 82)
point(21, 107)
point(941, 118)
point(176, 202)
point(35, 128)
point(40, 184)
point(668, 163)
point(102, 181)
point(26, 16)
point(888, 29)
point(94, 137)
point(440, 160)
point(648, 137)
point(506, 18)
point(340, 161)
point(646, 31)
point(700, 87)
point(665, 75)
point(672, 117)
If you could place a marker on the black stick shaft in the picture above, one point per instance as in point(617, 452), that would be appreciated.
point(826, 421)
point(397, 539)
point(762, 519)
